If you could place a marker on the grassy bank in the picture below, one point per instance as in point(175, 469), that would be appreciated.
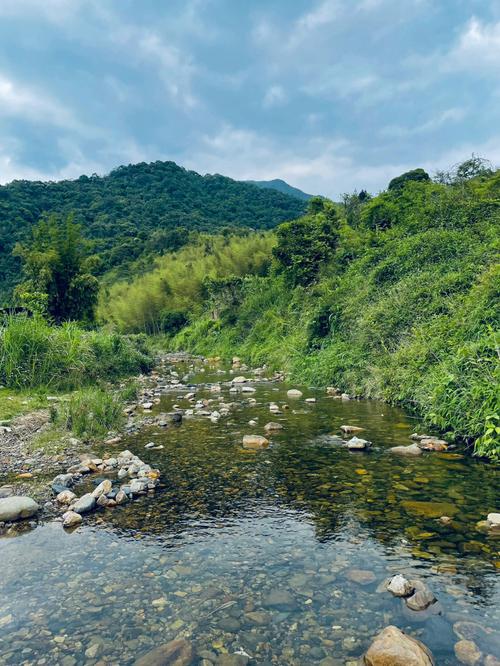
point(35, 355)
point(405, 310)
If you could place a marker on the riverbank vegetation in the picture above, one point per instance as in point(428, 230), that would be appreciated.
point(393, 297)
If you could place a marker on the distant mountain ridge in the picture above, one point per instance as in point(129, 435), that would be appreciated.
point(136, 211)
point(281, 186)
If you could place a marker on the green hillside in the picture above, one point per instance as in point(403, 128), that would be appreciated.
point(137, 211)
point(281, 186)
point(394, 297)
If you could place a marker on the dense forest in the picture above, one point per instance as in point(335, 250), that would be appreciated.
point(394, 297)
point(135, 212)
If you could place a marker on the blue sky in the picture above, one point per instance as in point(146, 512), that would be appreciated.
point(330, 95)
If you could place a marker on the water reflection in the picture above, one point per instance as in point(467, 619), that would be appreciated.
point(253, 550)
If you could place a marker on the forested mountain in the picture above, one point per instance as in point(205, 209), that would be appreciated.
point(137, 211)
point(281, 186)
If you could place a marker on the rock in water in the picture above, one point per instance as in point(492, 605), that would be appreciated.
point(432, 444)
point(17, 507)
point(421, 598)
point(357, 444)
point(103, 488)
point(174, 653)
point(66, 497)
point(294, 393)
point(255, 442)
point(85, 504)
point(349, 428)
point(272, 425)
point(493, 519)
point(399, 586)
point(391, 647)
point(467, 653)
point(411, 450)
point(71, 519)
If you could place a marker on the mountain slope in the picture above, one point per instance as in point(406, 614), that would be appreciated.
point(137, 210)
point(281, 186)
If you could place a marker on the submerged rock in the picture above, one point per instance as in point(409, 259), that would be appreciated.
point(350, 428)
point(361, 576)
point(175, 653)
point(272, 425)
point(467, 652)
point(255, 442)
point(392, 647)
point(429, 509)
point(410, 450)
point(17, 507)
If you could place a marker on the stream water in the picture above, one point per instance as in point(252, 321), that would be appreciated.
point(279, 553)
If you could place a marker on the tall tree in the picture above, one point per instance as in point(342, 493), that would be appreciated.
point(57, 271)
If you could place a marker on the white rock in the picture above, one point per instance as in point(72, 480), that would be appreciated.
point(357, 444)
point(294, 393)
point(493, 519)
point(399, 586)
point(17, 507)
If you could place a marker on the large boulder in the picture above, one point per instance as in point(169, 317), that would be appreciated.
point(392, 647)
point(17, 507)
point(175, 653)
point(255, 442)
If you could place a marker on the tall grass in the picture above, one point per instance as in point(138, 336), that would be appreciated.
point(90, 413)
point(34, 354)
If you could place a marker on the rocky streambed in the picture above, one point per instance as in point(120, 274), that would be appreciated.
point(238, 519)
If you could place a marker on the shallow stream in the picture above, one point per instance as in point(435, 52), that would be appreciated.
point(279, 553)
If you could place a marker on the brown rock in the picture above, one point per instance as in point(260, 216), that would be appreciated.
point(255, 442)
point(350, 428)
point(391, 647)
point(467, 652)
point(174, 653)
point(410, 450)
point(361, 576)
point(431, 444)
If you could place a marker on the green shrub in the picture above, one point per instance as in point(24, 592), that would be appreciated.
point(90, 413)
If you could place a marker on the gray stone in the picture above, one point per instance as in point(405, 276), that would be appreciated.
point(422, 597)
point(410, 450)
point(84, 504)
point(17, 507)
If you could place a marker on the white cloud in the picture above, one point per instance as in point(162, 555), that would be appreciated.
point(19, 100)
point(452, 115)
point(478, 46)
point(275, 95)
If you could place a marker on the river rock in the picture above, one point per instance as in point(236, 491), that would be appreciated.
point(357, 444)
point(102, 489)
point(6, 491)
point(232, 659)
point(121, 497)
point(411, 450)
point(467, 652)
point(400, 586)
point(66, 497)
point(240, 380)
point(84, 504)
point(422, 597)
point(175, 653)
point(17, 507)
point(294, 393)
point(281, 599)
point(138, 486)
point(432, 444)
point(71, 519)
point(62, 481)
point(272, 425)
point(361, 576)
point(259, 618)
point(392, 647)
point(255, 442)
point(493, 519)
point(429, 509)
point(350, 428)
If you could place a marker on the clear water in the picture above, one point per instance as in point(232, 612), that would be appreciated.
point(254, 551)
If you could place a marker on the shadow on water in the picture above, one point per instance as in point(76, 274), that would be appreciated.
point(255, 550)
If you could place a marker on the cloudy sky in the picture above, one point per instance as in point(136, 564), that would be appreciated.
point(330, 95)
